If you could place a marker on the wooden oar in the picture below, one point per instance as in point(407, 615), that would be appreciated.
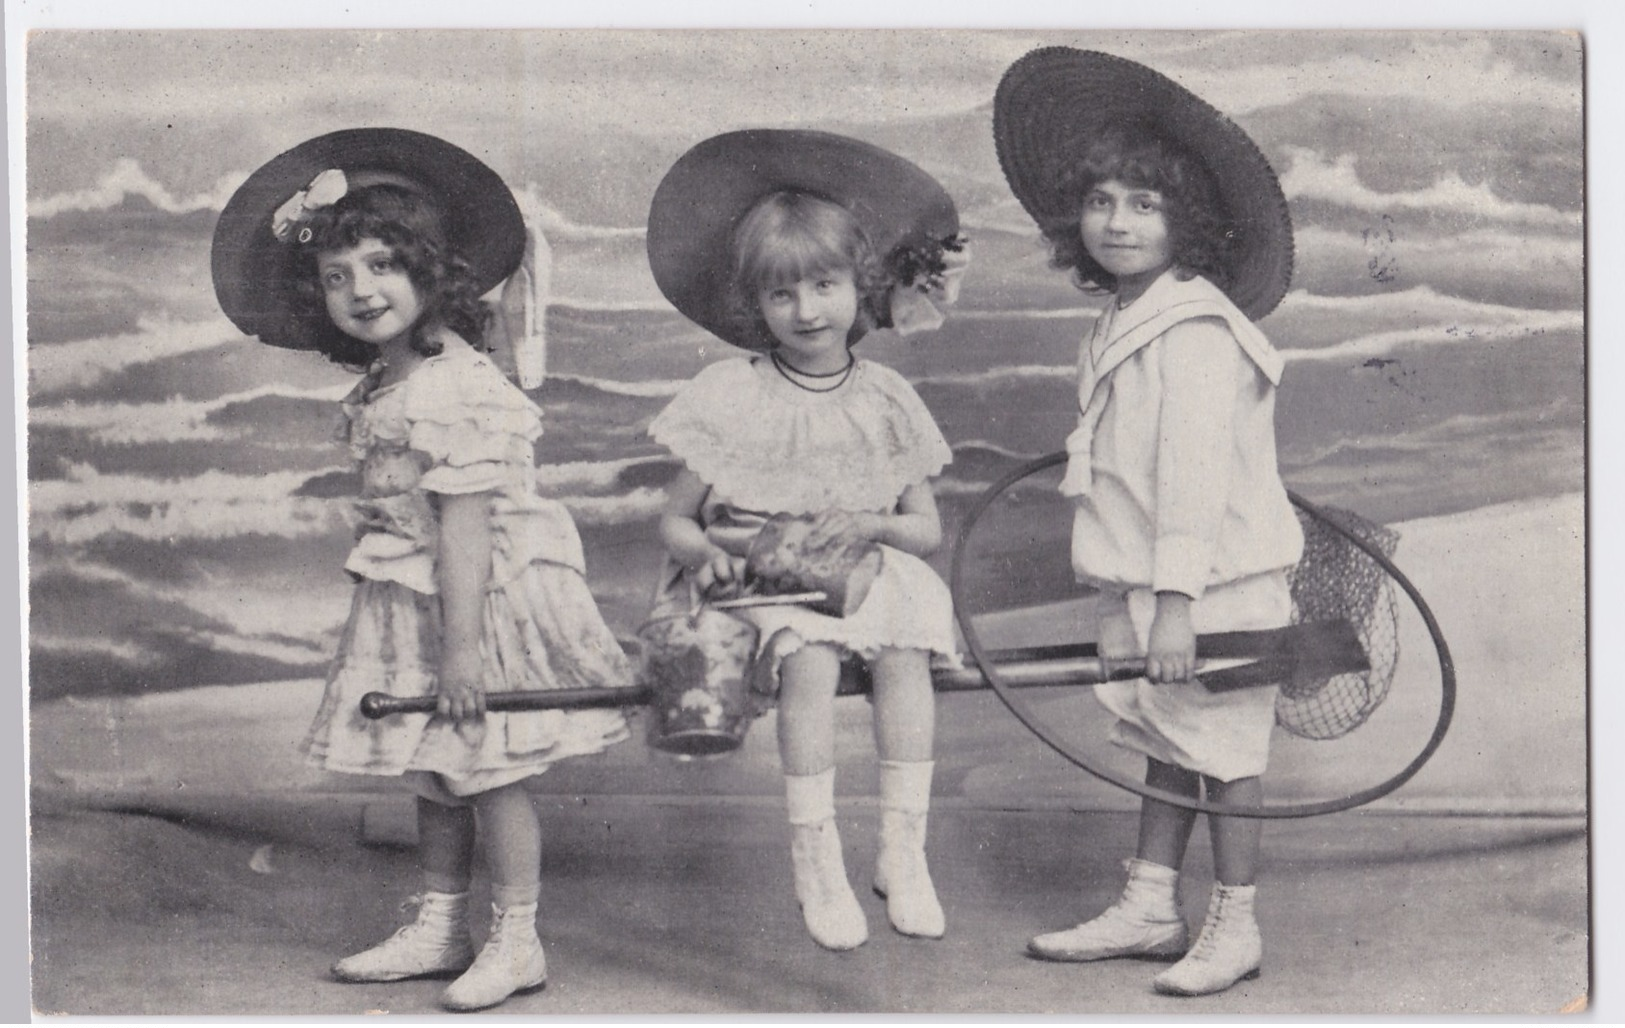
point(1225, 661)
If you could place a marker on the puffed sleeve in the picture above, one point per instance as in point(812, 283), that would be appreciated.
point(916, 447)
point(477, 430)
point(701, 424)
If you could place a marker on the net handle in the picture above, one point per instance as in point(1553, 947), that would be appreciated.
point(1036, 725)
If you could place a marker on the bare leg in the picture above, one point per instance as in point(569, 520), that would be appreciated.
point(1229, 947)
point(905, 720)
point(1166, 829)
point(905, 705)
point(513, 843)
point(1235, 839)
point(445, 845)
point(807, 681)
point(511, 959)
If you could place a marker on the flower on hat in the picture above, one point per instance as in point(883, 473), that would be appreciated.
point(324, 190)
point(927, 283)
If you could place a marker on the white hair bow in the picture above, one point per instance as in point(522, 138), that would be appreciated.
point(324, 190)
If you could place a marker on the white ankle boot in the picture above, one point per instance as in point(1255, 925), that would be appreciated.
point(1228, 949)
point(436, 943)
point(511, 961)
point(828, 904)
point(901, 875)
point(1145, 922)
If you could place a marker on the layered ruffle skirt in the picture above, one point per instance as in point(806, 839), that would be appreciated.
point(542, 630)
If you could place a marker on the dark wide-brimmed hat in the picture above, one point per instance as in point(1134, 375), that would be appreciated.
point(1053, 102)
point(251, 261)
point(713, 186)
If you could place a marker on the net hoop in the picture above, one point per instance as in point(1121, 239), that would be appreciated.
point(1053, 739)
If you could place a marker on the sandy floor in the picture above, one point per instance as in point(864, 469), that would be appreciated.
point(660, 907)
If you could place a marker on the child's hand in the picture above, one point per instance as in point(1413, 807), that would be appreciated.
point(721, 573)
point(1118, 643)
point(1171, 656)
point(841, 526)
point(462, 698)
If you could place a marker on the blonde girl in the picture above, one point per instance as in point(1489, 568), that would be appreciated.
point(792, 246)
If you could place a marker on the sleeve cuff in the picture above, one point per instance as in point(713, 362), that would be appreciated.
point(1182, 565)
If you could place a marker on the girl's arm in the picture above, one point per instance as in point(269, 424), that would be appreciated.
point(916, 527)
point(685, 540)
point(465, 572)
point(1195, 441)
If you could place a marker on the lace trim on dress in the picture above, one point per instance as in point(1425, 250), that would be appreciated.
point(758, 447)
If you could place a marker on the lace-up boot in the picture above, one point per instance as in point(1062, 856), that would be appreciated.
point(901, 875)
point(1144, 922)
point(1227, 950)
point(435, 943)
point(511, 961)
point(828, 905)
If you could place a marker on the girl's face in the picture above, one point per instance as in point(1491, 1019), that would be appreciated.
point(812, 316)
point(1125, 232)
point(369, 294)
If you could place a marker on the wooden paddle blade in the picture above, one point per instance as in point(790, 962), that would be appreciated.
point(1306, 652)
point(1316, 649)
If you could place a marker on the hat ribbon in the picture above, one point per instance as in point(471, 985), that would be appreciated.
point(520, 326)
point(920, 304)
point(324, 190)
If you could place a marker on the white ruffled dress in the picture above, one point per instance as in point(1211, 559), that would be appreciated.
point(456, 425)
point(765, 447)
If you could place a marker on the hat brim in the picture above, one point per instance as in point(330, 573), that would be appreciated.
point(712, 186)
point(482, 218)
point(1051, 102)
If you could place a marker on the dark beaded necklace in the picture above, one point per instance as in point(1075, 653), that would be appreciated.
point(784, 368)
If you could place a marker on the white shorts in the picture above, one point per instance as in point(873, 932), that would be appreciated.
point(1222, 735)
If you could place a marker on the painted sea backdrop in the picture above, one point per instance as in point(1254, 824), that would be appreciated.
point(186, 497)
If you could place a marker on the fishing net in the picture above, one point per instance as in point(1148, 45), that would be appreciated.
point(1337, 580)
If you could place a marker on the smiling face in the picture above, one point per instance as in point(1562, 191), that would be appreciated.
point(369, 294)
point(811, 317)
point(1124, 230)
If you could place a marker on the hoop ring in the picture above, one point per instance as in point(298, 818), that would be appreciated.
point(1036, 725)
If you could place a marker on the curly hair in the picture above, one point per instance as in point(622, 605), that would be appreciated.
point(1201, 235)
point(410, 225)
point(788, 235)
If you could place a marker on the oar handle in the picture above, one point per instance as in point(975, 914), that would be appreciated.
point(1021, 673)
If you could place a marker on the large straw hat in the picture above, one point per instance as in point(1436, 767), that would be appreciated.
point(1053, 101)
point(251, 264)
point(712, 186)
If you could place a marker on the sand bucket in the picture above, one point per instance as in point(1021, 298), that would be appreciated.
point(697, 667)
point(781, 560)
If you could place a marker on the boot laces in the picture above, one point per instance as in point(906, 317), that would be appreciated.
point(1207, 940)
point(415, 907)
point(507, 930)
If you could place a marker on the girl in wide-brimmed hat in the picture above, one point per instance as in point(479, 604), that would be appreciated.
point(1151, 197)
point(373, 247)
point(792, 245)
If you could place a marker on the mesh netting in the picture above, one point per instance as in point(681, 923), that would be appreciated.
point(1336, 580)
